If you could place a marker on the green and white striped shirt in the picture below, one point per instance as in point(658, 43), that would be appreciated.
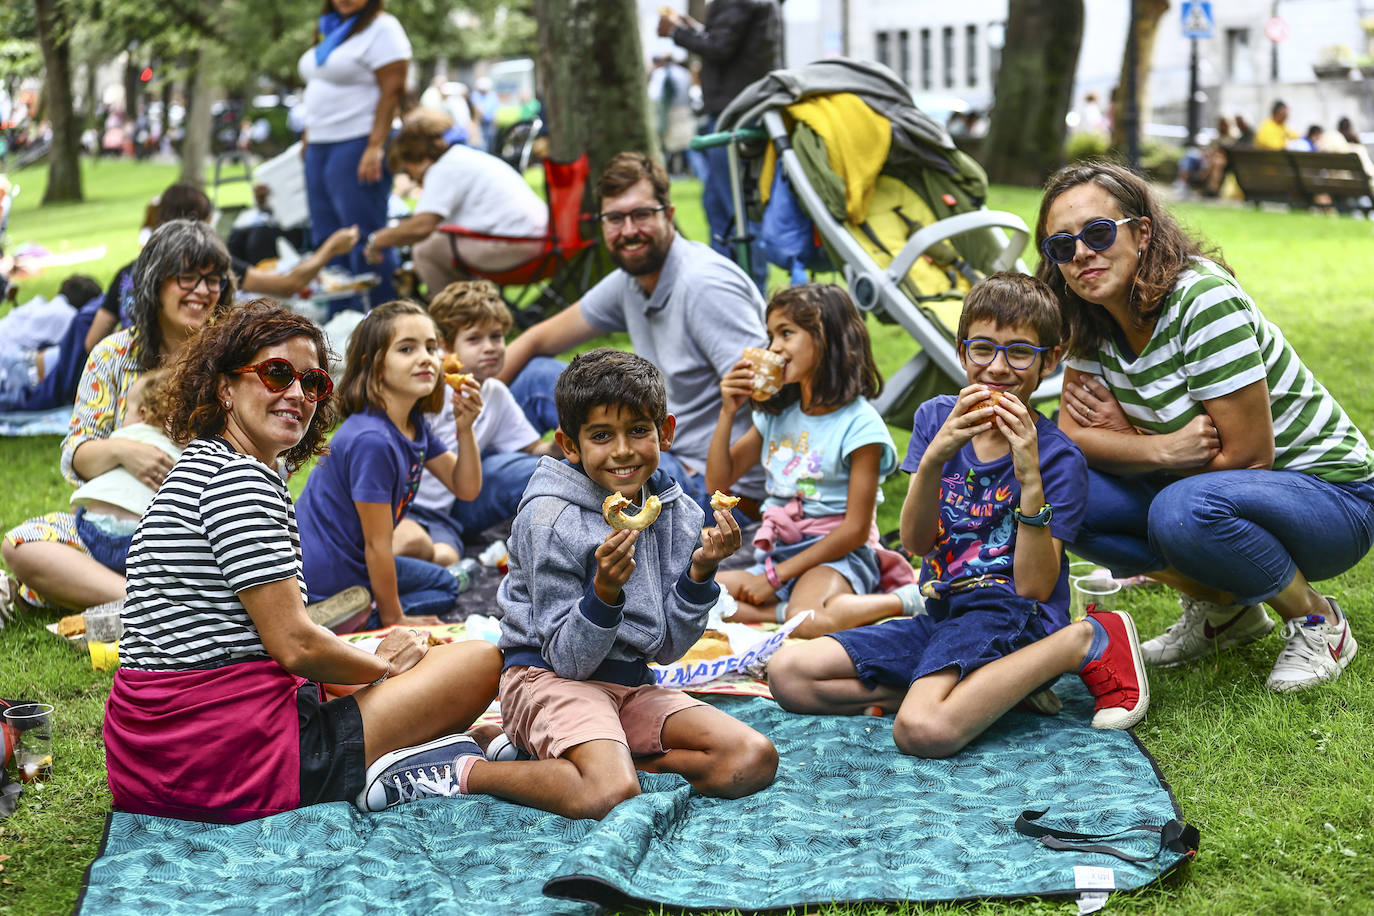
point(1210, 341)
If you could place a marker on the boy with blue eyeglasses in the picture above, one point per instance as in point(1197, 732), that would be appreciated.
point(996, 489)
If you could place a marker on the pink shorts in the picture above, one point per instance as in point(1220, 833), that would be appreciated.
point(547, 714)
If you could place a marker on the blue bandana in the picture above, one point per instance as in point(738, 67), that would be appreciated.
point(334, 28)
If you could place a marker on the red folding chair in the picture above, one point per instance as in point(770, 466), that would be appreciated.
point(564, 260)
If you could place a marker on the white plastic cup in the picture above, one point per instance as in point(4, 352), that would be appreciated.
point(33, 747)
point(1091, 593)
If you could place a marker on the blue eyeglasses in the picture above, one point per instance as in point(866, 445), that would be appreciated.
point(981, 352)
point(1098, 235)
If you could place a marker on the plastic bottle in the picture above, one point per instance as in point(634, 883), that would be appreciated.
point(466, 572)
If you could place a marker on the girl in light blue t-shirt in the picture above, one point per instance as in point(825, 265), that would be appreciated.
point(824, 449)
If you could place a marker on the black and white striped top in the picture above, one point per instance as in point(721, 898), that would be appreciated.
point(222, 522)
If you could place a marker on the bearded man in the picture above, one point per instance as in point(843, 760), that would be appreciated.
point(688, 310)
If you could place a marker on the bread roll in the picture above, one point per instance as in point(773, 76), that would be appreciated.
point(767, 367)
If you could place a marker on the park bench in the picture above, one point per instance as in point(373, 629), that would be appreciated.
point(1302, 179)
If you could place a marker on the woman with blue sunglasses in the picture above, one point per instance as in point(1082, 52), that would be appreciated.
point(1218, 465)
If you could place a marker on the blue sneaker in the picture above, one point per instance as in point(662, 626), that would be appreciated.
point(410, 773)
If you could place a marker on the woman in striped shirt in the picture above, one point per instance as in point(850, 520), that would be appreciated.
point(1218, 464)
point(216, 712)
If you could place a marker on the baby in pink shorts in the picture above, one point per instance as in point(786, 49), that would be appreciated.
point(586, 607)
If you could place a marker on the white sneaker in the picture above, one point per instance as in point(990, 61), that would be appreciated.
point(1317, 650)
point(1205, 628)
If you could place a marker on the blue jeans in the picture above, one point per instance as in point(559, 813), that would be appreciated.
point(533, 391)
point(504, 478)
point(719, 204)
point(425, 589)
point(1242, 532)
point(337, 199)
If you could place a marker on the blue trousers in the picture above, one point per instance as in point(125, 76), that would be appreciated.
point(425, 589)
point(1242, 532)
point(504, 478)
point(337, 199)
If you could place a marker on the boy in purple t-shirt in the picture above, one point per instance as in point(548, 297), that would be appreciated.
point(996, 490)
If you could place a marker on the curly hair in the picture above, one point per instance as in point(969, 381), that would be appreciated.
point(175, 247)
point(233, 341)
point(1168, 254)
point(845, 368)
point(465, 304)
point(361, 387)
point(153, 389)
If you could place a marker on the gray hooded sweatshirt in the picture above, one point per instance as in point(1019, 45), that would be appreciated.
point(551, 615)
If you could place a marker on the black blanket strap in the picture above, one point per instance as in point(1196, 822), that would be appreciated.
point(1174, 836)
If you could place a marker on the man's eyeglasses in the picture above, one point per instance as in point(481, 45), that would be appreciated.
point(981, 352)
point(1099, 235)
point(615, 219)
point(189, 281)
point(277, 374)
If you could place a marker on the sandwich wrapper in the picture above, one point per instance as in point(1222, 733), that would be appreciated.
point(749, 649)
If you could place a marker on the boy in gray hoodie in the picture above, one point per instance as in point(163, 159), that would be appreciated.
point(586, 607)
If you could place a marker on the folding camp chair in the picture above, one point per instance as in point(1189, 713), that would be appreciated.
point(564, 261)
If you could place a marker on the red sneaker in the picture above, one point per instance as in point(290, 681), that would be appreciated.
point(1117, 679)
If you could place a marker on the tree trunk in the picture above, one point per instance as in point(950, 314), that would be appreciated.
point(195, 146)
point(1148, 15)
point(592, 80)
point(1025, 141)
point(64, 160)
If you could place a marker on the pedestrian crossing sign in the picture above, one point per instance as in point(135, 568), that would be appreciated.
point(1197, 19)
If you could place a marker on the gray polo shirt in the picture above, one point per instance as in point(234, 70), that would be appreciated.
point(704, 311)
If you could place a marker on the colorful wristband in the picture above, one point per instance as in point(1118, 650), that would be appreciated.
point(770, 573)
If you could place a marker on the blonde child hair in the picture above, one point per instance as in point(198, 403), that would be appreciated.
point(466, 304)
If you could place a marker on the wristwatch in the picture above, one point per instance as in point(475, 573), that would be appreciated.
point(1038, 520)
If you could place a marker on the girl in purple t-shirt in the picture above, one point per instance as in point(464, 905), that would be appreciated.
point(360, 491)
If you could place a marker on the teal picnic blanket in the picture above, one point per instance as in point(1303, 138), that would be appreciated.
point(848, 819)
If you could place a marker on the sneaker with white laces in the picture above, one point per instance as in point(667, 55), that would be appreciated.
point(1316, 650)
point(430, 770)
point(1204, 628)
point(1117, 680)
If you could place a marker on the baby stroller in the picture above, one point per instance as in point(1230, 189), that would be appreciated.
point(850, 171)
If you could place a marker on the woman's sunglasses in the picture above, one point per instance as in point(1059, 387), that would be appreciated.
point(1099, 235)
point(277, 374)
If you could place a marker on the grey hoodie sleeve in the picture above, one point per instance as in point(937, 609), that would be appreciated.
point(575, 629)
point(688, 606)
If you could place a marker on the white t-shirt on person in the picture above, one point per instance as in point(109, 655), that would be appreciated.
point(341, 96)
point(500, 427)
point(480, 192)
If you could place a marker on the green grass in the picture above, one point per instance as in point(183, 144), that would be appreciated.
point(1280, 786)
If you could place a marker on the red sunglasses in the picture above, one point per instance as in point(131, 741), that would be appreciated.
point(277, 374)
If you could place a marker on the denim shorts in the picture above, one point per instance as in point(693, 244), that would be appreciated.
point(965, 631)
point(859, 567)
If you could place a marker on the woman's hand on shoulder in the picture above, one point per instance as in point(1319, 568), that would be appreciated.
point(403, 647)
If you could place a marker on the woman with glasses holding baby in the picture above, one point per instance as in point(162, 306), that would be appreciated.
point(181, 280)
point(1218, 465)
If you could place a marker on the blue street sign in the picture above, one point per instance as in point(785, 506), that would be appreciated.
point(1197, 19)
